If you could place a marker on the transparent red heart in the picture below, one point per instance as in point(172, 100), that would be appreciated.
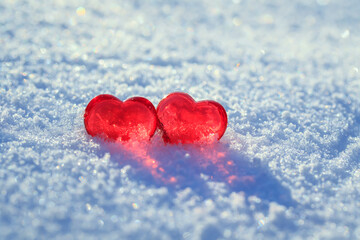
point(182, 120)
point(111, 119)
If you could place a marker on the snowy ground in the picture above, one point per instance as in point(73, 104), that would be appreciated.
point(287, 73)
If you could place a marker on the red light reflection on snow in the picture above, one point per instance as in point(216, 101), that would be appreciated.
point(212, 160)
point(141, 156)
point(226, 169)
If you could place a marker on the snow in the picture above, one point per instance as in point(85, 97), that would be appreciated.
point(287, 73)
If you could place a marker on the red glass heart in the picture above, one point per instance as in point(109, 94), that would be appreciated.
point(109, 118)
point(182, 120)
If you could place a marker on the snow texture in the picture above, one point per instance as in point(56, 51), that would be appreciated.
point(287, 73)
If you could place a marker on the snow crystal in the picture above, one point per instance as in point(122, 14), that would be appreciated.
point(287, 73)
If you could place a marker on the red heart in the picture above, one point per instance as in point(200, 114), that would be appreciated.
point(182, 120)
point(109, 118)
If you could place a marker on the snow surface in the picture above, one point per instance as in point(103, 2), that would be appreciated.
point(287, 72)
